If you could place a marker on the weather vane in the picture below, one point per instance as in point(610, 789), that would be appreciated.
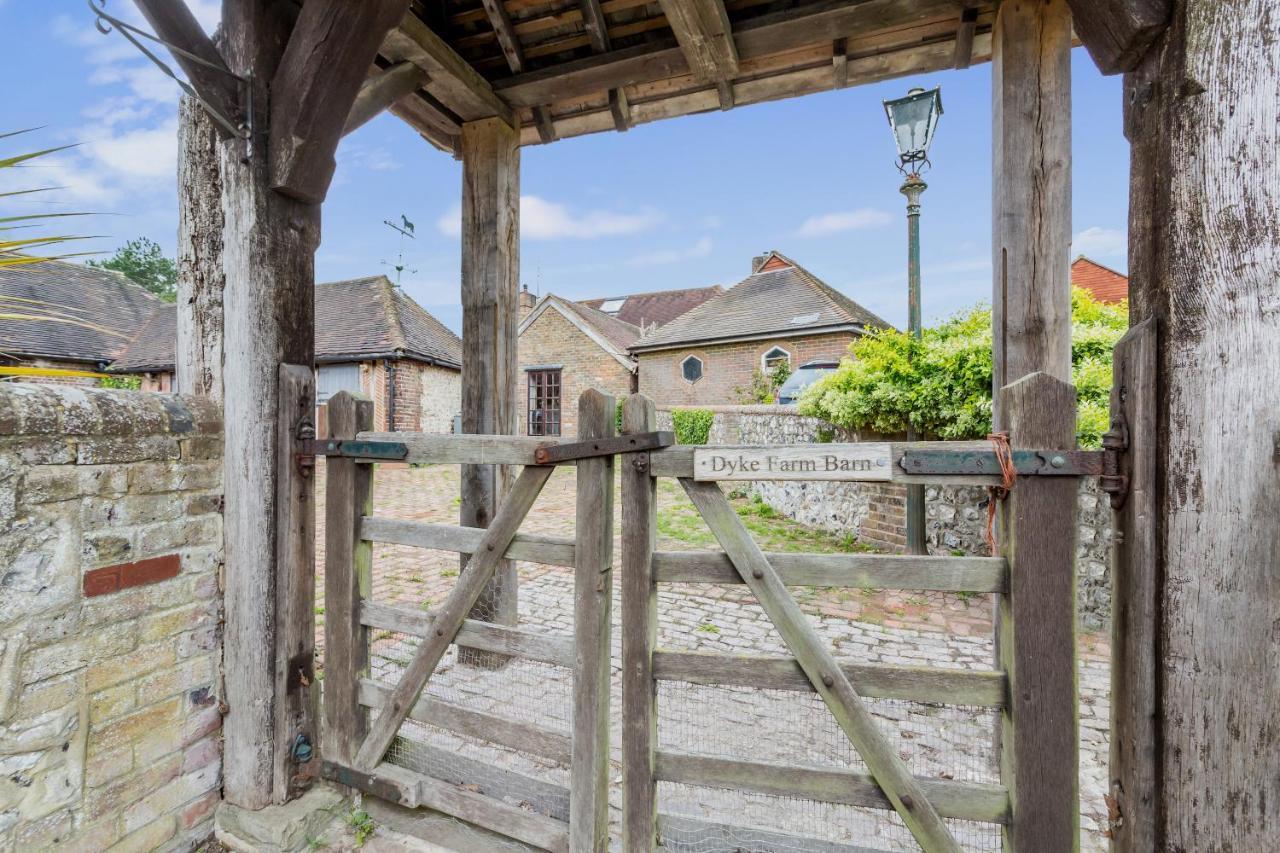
point(404, 229)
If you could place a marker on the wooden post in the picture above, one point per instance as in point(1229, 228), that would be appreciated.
point(592, 615)
point(1031, 192)
point(1031, 326)
point(1200, 113)
point(639, 634)
point(269, 246)
point(1039, 756)
point(348, 580)
point(490, 272)
point(297, 704)
point(198, 368)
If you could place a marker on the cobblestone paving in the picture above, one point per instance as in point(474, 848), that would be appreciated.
point(873, 626)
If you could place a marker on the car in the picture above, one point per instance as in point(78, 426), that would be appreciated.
point(805, 375)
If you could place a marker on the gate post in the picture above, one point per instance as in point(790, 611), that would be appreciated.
point(1036, 628)
point(639, 634)
point(347, 580)
point(592, 608)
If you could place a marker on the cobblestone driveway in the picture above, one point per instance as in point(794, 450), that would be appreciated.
point(898, 627)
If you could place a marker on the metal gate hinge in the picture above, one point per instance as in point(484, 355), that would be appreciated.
point(304, 459)
point(1115, 442)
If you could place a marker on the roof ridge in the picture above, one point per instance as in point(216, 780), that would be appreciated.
point(1084, 257)
point(395, 328)
point(651, 293)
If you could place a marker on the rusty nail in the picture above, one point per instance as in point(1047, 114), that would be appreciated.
point(489, 546)
point(828, 680)
point(439, 632)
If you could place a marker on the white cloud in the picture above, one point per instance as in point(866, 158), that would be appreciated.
point(1100, 243)
point(139, 153)
point(700, 249)
point(835, 223)
point(374, 158)
point(547, 220)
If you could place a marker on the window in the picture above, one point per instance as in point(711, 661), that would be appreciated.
point(691, 369)
point(773, 358)
point(612, 306)
point(544, 402)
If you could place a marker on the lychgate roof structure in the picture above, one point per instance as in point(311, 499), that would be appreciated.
point(558, 70)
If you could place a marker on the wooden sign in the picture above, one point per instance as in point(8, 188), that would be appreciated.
point(795, 462)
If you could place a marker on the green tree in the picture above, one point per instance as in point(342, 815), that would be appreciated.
point(942, 384)
point(142, 262)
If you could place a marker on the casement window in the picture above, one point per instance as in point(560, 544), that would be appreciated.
point(544, 402)
point(691, 369)
point(773, 358)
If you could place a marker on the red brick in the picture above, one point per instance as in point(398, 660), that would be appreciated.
point(101, 581)
point(200, 809)
point(148, 571)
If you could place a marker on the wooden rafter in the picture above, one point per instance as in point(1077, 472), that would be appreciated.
point(383, 89)
point(496, 10)
point(173, 22)
point(598, 31)
point(454, 83)
point(1117, 33)
point(705, 36)
point(964, 37)
point(315, 86)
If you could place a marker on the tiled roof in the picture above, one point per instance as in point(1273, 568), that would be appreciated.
point(656, 308)
point(1104, 283)
point(782, 298)
point(70, 311)
point(357, 319)
point(619, 333)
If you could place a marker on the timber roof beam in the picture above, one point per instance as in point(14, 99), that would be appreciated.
point(705, 36)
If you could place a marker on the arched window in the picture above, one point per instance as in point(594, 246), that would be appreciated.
point(773, 358)
point(691, 369)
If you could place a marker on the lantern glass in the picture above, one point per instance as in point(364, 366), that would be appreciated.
point(913, 119)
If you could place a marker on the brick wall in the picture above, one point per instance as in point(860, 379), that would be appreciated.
point(553, 340)
point(426, 397)
point(955, 516)
point(727, 369)
point(110, 551)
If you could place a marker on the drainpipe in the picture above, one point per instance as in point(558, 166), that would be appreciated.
point(390, 368)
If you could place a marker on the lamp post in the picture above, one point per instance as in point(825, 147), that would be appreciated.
point(913, 119)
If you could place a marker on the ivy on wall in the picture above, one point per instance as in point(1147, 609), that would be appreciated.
point(942, 383)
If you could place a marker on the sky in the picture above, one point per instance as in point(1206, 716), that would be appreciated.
point(679, 203)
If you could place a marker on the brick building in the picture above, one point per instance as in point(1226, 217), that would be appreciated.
point(566, 348)
point(656, 308)
point(370, 338)
point(63, 316)
point(781, 312)
point(1104, 283)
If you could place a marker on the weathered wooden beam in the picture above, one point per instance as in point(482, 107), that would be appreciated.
point(315, 86)
point(639, 634)
point(1118, 33)
point(201, 279)
point(1031, 207)
point(769, 34)
point(594, 23)
point(431, 120)
point(496, 10)
point(705, 35)
point(269, 245)
point(839, 63)
point(860, 571)
point(380, 91)
point(1204, 212)
point(173, 22)
point(620, 109)
point(466, 448)
point(510, 642)
point(1036, 628)
point(490, 320)
point(592, 630)
point(546, 127)
point(724, 91)
point(964, 37)
point(454, 83)
point(549, 550)
point(348, 581)
point(450, 617)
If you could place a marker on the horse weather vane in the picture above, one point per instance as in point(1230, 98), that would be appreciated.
point(404, 229)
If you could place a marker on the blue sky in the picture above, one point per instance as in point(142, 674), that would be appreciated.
point(680, 203)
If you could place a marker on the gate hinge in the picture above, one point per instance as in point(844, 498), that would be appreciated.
point(305, 459)
point(1115, 442)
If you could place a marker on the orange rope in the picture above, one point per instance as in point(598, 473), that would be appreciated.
point(1009, 475)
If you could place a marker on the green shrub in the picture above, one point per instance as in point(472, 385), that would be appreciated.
point(942, 383)
point(124, 382)
point(692, 426)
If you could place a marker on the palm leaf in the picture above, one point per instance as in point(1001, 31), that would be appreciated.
point(22, 158)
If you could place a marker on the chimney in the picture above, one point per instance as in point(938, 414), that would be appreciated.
point(526, 302)
point(757, 262)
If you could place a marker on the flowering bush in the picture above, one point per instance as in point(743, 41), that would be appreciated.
point(942, 383)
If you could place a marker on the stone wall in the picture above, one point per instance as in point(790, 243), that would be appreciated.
point(955, 516)
point(110, 551)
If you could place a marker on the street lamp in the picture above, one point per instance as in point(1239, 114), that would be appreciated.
point(913, 119)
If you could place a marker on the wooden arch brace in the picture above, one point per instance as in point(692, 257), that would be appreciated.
point(329, 53)
point(822, 669)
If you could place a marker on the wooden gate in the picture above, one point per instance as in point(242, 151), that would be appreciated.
point(1031, 686)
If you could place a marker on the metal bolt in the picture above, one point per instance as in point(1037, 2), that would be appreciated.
point(907, 802)
point(828, 680)
point(1058, 461)
point(489, 546)
point(439, 632)
point(757, 574)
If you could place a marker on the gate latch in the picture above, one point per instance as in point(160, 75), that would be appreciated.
point(305, 459)
point(1115, 441)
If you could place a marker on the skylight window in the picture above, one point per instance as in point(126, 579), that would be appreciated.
point(612, 306)
point(805, 319)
